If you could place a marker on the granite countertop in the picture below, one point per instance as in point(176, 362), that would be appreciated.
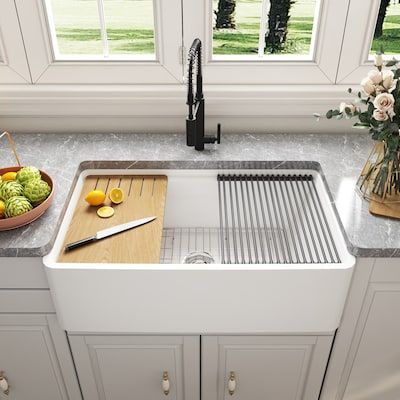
point(340, 156)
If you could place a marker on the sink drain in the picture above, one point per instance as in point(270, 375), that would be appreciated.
point(198, 257)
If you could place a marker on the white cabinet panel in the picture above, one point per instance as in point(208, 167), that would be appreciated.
point(264, 367)
point(29, 359)
point(374, 359)
point(22, 273)
point(122, 367)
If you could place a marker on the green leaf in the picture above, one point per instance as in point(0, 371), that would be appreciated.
point(374, 123)
point(364, 117)
point(361, 125)
point(371, 108)
point(374, 134)
point(394, 128)
point(391, 63)
point(384, 135)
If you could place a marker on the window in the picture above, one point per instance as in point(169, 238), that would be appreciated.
point(306, 49)
point(387, 28)
point(102, 29)
point(371, 24)
point(102, 41)
point(145, 42)
point(261, 27)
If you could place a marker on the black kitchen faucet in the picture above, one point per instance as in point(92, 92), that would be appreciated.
point(195, 120)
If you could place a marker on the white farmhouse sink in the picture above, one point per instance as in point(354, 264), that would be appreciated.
point(171, 297)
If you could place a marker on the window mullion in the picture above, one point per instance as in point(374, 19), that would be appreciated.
point(265, 6)
point(103, 28)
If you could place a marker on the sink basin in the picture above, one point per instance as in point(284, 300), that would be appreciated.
point(289, 289)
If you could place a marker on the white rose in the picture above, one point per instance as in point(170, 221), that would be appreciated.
point(384, 102)
point(367, 86)
point(375, 76)
point(380, 115)
point(378, 60)
point(351, 107)
point(388, 79)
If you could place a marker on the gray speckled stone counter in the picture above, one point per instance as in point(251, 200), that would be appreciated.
point(340, 156)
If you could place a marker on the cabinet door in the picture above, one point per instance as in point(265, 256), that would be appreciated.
point(134, 367)
point(29, 361)
point(373, 365)
point(263, 367)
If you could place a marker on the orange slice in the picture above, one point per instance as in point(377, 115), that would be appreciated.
point(105, 212)
point(116, 195)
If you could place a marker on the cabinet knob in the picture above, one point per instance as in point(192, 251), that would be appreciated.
point(4, 386)
point(232, 383)
point(165, 383)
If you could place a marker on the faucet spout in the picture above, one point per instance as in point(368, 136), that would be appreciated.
point(195, 120)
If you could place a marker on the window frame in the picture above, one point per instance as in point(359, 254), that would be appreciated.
point(321, 68)
point(355, 60)
point(46, 69)
point(13, 63)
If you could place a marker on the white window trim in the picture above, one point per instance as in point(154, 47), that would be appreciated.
point(355, 59)
point(162, 108)
point(46, 69)
point(13, 64)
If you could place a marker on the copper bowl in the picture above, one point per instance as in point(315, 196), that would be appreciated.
point(7, 224)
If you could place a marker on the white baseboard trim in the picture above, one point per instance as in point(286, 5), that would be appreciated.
point(162, 108)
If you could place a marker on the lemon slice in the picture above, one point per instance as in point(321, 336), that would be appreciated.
point(105, 212)
point(116, 195)
point(95, 197)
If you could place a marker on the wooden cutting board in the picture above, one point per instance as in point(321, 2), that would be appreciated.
point(391, 210)
point(144, 197)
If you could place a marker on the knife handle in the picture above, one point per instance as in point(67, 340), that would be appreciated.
point(79, 243)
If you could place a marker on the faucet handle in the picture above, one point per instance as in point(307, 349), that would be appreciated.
point(219, 133)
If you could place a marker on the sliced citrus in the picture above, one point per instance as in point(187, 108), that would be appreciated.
point(9, 176)
point(116, 195)
point(105, 212)
point(95, 197)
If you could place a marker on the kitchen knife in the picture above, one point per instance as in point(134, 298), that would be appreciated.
point(109, 232)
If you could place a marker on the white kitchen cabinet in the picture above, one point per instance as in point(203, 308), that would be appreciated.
point(263, 367)
point(137, 367)
point(365, 360)
point(375, 372)
point(33, 352)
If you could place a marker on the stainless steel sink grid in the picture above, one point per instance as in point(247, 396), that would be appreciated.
point(178, 242)
point(271, 219)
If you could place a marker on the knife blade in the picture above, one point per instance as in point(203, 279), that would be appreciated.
point(109, 232)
